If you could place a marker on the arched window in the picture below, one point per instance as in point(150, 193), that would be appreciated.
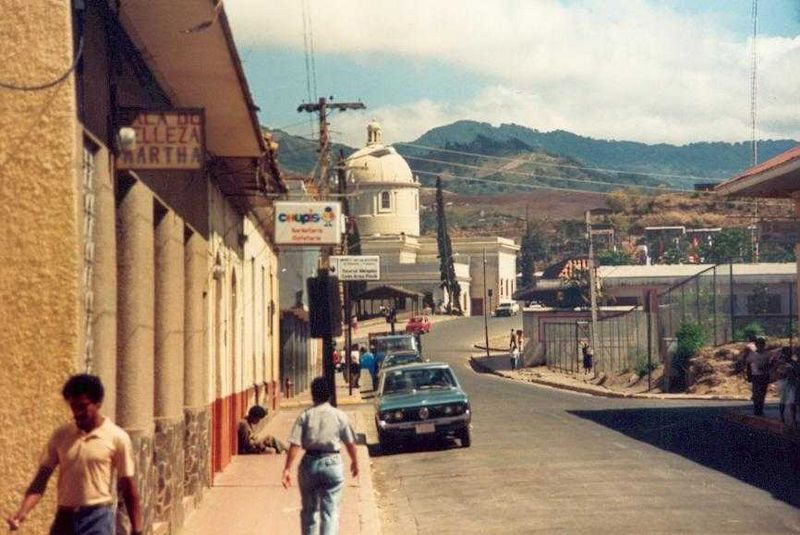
point(385, 202)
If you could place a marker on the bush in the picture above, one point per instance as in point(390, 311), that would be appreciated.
point(643, 367)
point(749, 331)
point(691, 337)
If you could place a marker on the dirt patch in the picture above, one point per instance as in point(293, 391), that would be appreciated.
point(720, 370)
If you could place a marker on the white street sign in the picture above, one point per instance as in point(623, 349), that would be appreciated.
point(308, 223)
point(356, 268)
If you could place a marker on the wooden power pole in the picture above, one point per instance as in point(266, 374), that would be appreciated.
point(321, 107)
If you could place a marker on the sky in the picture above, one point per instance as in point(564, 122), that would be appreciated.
point(655, 71)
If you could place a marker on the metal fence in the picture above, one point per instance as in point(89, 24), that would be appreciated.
point(621, 343)
point(712, 299)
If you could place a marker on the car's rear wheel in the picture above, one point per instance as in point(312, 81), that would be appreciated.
point(465, 437)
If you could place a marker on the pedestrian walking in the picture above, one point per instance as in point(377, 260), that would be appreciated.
point(367, 361)
point(757, 368)
point(320, 431)
point(87, 453)
point(786, 371)
point(355, 366)
point(514, 358)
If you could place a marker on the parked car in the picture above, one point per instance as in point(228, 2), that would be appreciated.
point(400, 358)
point(391, 343)
point(418, 324)
point(421, 400)
point(510, 308)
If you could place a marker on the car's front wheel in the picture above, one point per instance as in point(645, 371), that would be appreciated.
point(465, 437)
point(386, 441)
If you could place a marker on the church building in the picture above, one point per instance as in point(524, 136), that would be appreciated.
point(386, 209)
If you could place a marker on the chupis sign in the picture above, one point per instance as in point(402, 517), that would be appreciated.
point(308, 223)
point(165, 139)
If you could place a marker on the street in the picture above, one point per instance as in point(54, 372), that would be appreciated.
point(550, 461)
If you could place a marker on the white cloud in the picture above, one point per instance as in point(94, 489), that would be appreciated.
point(609, 69)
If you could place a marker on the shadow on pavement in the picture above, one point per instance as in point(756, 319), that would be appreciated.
point(420, 445)
point(703, 435)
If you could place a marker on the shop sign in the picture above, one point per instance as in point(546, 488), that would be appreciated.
point(356, 267)
point(165, 139)
point(308, 223)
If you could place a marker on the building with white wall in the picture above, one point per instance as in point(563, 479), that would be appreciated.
point(386, 210)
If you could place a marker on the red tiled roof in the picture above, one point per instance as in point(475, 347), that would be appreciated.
point(780, 159)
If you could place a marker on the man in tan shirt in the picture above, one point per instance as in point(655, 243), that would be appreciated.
point(88, 453)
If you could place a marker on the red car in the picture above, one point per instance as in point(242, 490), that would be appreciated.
point(418, 324)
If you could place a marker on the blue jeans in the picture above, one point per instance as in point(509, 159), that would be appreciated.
point(97, 521)
point(321, 482)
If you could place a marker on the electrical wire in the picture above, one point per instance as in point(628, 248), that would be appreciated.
point(566, 166)
point(664, 189)
point(47, 85)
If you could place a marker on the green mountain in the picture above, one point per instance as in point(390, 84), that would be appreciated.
point(709, 160)
point(481, 158)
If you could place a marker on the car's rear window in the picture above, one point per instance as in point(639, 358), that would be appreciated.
point(418, 379)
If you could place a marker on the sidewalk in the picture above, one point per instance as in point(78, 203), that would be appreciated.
point(247, 498)
point(499, 365)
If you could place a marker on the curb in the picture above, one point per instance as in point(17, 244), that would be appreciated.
point(764, 424)
point(604, 392)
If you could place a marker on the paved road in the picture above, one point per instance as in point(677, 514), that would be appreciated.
point(549, 461)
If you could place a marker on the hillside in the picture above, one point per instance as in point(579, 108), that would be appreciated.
point(715, 160)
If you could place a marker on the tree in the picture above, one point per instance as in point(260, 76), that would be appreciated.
point(533, 248)
point(729, 245)
point(446, 268)
point(614, 258)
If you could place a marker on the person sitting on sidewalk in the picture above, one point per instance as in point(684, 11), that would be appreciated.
point(757, 368)
point(249, 442)
point(320, 431)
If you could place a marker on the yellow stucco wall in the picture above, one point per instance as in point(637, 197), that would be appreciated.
point(39, 272)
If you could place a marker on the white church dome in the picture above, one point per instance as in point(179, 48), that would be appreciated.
point(387, 198)
point(378, 163)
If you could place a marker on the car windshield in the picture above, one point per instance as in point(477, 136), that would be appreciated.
point(400, 343)
point(418, 379)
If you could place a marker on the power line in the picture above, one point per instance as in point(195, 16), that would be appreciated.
point(552, 177)
point(52, 83)
point(566, 166)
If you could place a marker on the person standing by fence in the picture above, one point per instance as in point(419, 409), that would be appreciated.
point(757, 368)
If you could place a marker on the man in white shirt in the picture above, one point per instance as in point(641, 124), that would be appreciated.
point(759, 363)
point(88, 453)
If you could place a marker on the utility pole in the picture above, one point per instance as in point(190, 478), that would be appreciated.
point(592, 287)
point(321, 107)
point(485, 318)
point(341, 174)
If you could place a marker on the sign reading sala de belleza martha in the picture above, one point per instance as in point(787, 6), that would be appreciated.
point(165, 139)
point(308, 223)
point(357, 267)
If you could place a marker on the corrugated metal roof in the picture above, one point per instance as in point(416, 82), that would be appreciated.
point(661, 274)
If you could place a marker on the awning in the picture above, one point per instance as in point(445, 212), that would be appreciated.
point(389, 292)
point(189, 48)
point(778, 177)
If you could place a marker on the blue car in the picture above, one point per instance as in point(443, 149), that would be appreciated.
point(421, 400)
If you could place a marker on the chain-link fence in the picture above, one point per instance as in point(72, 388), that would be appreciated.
point(728, 307)
point(621, 343)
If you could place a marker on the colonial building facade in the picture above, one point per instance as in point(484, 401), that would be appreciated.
point(159, 278)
